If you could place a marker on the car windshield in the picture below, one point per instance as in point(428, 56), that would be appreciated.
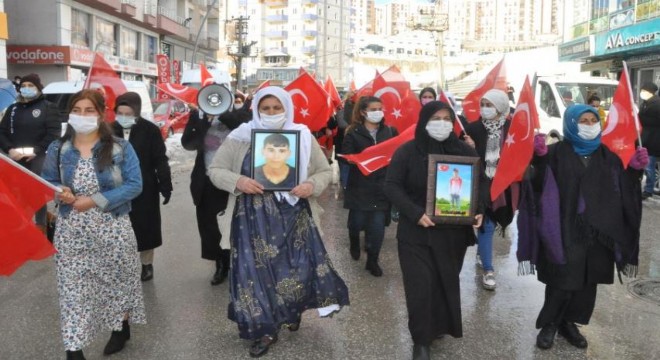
point(162, 109)
point(574, 93)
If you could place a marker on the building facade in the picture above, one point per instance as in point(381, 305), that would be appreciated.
point(58, 42)
point(612, 32)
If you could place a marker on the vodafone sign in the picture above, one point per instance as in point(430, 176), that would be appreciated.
point(43, 55)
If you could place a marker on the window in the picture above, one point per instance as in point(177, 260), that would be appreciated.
point(548, 103)
point(129, 44)
point(149, 49)
point(106, 37)
point(79, 28)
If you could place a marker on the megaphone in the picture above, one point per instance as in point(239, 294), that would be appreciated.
point(214, 99)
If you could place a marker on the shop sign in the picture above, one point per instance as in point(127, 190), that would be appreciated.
point(577, 49)
point(37, 54)
point(639, 36)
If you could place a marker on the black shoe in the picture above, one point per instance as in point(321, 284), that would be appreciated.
point(546, 336)
point(118, 339)
point(571, 333)
point(75, 355)
point(646, 195)
point(147, 272)
point(221, 272)
point(294, 327)
point(374, 268)
point(355, 248)
point(260, 346)
point(421, 352)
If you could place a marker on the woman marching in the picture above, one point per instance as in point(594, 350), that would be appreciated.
point(579, 216)
point(148, 143)
point(98, 270)
point(431, 256)
point(279, 266)
point(369, 208)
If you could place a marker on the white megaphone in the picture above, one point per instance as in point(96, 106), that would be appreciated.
point(214, 99)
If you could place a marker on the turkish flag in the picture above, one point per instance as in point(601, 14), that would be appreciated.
point(103, 78)
point(622, 126)
point(21, 194)
point(311, 103)
point(518, 148)
point(205, 76)
point(458, 125)
point(187, 94)
point(400, 105)
point(496, 79)
point(378, 156)
point(261, 86)
point(332, 91)
point(366, 89)
point(301, 71)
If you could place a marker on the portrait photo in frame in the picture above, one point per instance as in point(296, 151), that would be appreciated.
point(275, 158)
point(452, 194)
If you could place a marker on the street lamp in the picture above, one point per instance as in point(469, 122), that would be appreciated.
point(434, 21)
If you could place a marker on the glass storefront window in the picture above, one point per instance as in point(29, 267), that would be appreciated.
point(79, 28)
point(647, 9)
point(129, 44)
point(106, 37)
point(149, 48)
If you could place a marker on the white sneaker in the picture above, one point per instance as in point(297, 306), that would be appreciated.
point(479, 263)
point(488, 281)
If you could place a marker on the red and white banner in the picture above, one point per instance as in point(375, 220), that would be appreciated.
point(164, 75)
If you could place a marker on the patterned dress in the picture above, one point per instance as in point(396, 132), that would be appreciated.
point(279, 266)
point(98, 276)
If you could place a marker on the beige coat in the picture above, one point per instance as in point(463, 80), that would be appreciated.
point(225, 170)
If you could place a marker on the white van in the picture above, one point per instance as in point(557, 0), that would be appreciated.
point(193, 77)
point(59, 93)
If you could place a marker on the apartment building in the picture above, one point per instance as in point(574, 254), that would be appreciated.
point(58, 41)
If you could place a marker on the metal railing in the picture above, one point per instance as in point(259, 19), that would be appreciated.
point(150, 8)
point(170, 14)
point(129, 2)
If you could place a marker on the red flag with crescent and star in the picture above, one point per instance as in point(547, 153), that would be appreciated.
point(312, 105)
point(622, 127)
point(518, 148)
point(495, 79)
point(378, 156)
point(330, 88)
point(458, 125)
point(187, 94)
point(205, 76)
point(400, 105)
point(104, 78)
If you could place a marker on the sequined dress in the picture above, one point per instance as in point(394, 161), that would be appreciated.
point(279, 266)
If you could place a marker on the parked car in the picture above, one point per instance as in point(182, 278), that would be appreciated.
point(171, 116)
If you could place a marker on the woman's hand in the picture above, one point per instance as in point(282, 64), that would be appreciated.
point(540, 147)
point(15, 155)
point(66, 196)
point(479, 218)
point(468, 140)
point(83, 203)
point(304, 190)
point(425, 221)
point(249, 186)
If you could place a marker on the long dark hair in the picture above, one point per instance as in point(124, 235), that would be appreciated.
point(362, 105)
point(105, 132)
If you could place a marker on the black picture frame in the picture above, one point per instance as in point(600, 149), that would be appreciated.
point(452, 200)
point(260, 151)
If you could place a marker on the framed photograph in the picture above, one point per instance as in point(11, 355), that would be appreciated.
point(275, 158)
point(452, 193)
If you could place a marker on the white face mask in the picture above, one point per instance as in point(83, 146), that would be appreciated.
point(645, 95)
point(375, 117)
point(425, 101)
point(272, 122)
point(488, 113)
point(439, 129)
point(238, 106)
point(84, 124)
point(588, 132)
point(125, 121)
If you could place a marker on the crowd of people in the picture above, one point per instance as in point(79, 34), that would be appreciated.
point(579, 209)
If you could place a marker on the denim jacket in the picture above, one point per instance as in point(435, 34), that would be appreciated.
point(119, 183)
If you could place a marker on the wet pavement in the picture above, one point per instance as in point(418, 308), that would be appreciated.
point(187, 318)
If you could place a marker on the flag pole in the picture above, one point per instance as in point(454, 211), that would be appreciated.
point(632, 105)
point(30, 173)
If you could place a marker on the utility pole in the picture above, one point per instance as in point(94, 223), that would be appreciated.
point(199, 31)
point(436, 22)
point(241, 49)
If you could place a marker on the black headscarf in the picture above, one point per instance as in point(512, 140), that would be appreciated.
point(132, 100)
point(426, 144)
point(428, 89)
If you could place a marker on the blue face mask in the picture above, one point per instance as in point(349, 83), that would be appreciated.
point(29, 92)
point(125, 121)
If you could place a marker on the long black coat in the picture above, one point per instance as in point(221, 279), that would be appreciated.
point(365, 192)
point(146, 139)
point(649, 116)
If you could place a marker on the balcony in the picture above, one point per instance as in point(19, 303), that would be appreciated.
point(277, 34)
point(309, 49)
point(128, 8)
point(310, 17)
point(214, 44)
point(277, 18)
point(310, 2)
point(169, 23)
point(310, 33)
point(150, 14)
point(276, 3)
point(104, 5)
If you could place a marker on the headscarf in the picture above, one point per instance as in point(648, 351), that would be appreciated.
point(494, 128)
point(424, 142)
point(132, 100)
point(571, 118)
point(244, 132)
point(428, 89)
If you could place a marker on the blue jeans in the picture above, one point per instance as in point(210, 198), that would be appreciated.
point(343, 174)
point(485, 241)
point(373, 224)
point(650, 175)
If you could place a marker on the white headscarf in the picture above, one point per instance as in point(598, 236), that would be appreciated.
point(244, 132)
